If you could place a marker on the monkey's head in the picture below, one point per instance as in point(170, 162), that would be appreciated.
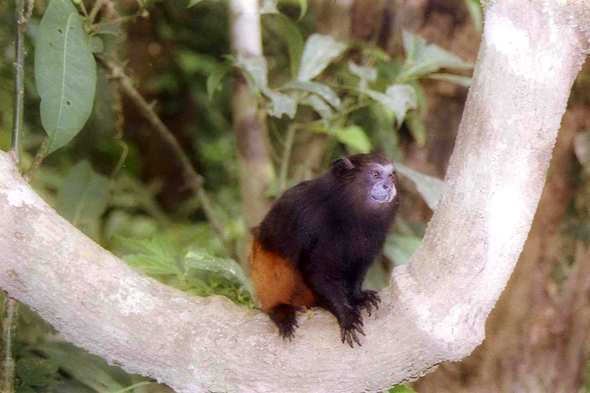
point(370, 179)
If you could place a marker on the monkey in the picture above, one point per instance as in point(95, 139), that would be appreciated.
point(315, 245)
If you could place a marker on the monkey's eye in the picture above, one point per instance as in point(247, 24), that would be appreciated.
point(375, 175)
point(391, 175)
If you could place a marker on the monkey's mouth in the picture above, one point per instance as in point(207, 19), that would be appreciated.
point(382, 196)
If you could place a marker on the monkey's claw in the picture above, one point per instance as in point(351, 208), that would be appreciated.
point(350, 335)
point(350, 327)
point(368, 300)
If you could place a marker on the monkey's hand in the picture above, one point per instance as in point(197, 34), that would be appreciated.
point(351, 323)
point(367, 300)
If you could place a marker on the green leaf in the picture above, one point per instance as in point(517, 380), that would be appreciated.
point(352, 136)
point(318, 105)
point(83, 198)
point(318, 88)
point(280, 104)
point(417, 128)
point(96, 44)
point(303, 8)
point(400, 248)
point(283, 28)
point(197, 63)
point(215, 78)
point(151, 256)
point(318, 53)
point(269, 7)
point(423, 58)
point(398, 98)
point(366, 74)
point(476, 13)
point(461, 80)
point(88, 369)
point(192, 3)
point(582, 149)
point(65, 73)
point(429, 187)
point(227, 268)
point(401, 389)
point(37, 371)
point(255, 71)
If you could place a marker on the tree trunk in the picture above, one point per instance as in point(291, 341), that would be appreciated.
point(256, 169)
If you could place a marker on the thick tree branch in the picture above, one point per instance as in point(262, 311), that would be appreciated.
point(435, 308)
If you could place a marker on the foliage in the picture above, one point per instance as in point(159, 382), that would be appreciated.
point(65, 72)
point(193, 271)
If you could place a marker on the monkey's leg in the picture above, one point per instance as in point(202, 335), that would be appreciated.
point(283, 315)
point(331, 295)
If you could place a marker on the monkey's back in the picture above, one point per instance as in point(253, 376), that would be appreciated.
point(285, 233)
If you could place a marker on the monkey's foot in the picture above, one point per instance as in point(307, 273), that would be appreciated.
point(283, 315)
point(350, 325)
point(368, 300)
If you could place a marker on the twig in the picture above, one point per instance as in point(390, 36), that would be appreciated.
point(19, 78)
point(41, 153)
point(286, 157)
point(10, 309)
point(95, 8)
point(9, 325)
point(30, 7)
point(193, 179)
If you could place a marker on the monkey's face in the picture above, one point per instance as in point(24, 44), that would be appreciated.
point(380, 181)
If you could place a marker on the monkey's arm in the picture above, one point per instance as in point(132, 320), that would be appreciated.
point(325, 278)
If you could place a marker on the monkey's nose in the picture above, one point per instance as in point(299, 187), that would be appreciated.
point(386, 186)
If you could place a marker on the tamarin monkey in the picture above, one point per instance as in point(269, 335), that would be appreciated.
point(317, 242)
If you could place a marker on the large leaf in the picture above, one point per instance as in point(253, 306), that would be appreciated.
point(280, 104)
point(423, 58)
point(476, 13)
point(318, 88)
point(86, 368)
point(83, 198)
point(461, 80)
point(154, 256)
point(352, 136)
point(582, 149)
point(429, 187)
point(283, 28)
point(192, 3)
point(400, 248)
point(366, 74)
point(318, 105)
point(65, 73)
point(398, 98)
point(255, 71)
point(318, 53)
point(215, 78)
point(227, 268)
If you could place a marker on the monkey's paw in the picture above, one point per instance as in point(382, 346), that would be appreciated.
point(350, 326)
point(368, 300)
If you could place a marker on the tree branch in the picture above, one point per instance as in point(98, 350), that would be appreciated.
point(435, 308)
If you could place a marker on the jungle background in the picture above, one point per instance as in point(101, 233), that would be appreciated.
point(336, 78)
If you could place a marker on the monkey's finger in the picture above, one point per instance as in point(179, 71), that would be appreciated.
point(356, 339)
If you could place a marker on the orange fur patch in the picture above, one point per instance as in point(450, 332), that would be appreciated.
point(276, 280)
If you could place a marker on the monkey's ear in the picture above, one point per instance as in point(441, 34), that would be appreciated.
point(343, 162)
point(341, 166)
